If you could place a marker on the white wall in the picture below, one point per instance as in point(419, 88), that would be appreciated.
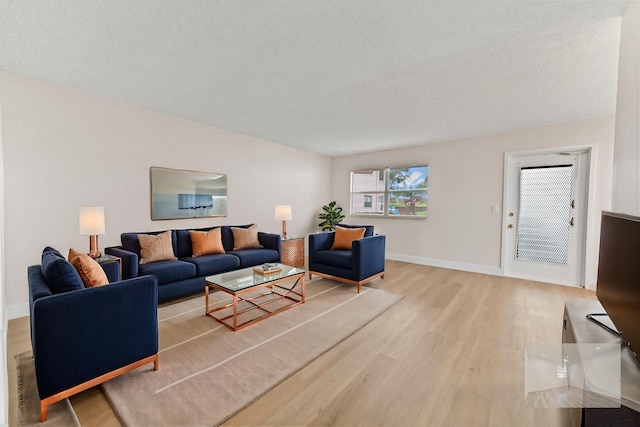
point(626, 182)
point(465, 181)
point(64, 149)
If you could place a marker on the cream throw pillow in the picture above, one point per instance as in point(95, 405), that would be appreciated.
point(245, 238)
point(155, 247)
point(344, 237)
point(206, 242)
point(89, 270)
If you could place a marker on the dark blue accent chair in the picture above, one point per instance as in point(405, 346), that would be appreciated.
point(363, 263)
point(83, 337)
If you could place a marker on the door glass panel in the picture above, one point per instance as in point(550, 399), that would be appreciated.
point(545, 214)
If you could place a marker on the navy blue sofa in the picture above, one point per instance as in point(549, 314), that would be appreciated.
point(81, 336)
point(186, 275)
point(363, 263)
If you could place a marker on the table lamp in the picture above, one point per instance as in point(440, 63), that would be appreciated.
point(92, 224)
point(283, 213)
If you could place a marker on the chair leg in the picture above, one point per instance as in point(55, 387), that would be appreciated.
point(44, 404)
point(44, 411)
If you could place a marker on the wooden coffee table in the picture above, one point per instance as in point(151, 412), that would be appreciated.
point(255, 296)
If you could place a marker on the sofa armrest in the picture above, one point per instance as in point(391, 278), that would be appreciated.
point(129, 261)
point(82, 334)
point(368, 256)
point(319, 242)
point(112, 270)
point(270, 241)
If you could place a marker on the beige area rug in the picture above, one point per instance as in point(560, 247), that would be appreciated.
point(208, 373)
point(60, 413)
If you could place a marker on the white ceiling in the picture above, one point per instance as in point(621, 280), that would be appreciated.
point(335, 77)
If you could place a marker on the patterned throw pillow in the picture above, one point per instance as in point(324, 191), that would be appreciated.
point(155, 247)
point(90, 271)
point(206, 242)
point(344, 237)
point(245, 238)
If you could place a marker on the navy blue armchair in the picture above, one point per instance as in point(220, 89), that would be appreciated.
point(363, 263)
point(83, 337)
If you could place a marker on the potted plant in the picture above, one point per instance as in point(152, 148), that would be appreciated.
point(331, 216)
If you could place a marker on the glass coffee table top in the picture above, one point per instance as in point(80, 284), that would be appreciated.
point(247, 278)
point(256, 295)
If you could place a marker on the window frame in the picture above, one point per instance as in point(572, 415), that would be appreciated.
point(383, 197)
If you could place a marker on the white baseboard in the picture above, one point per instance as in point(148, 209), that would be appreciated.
point(17, 310)
point(454, 265)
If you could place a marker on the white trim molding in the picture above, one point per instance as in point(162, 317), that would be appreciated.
point(443, 263)
point(17, 310)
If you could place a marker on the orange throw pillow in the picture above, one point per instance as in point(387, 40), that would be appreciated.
point(206, 242)
point(245, 238)
point(90, 271)
point(344, 237)
point(155, 247)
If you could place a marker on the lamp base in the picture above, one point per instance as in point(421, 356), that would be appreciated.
point(284, 229)
point(93, 247)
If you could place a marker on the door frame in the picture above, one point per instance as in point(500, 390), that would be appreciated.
point(589, 245)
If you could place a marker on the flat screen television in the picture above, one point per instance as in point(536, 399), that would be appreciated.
point(618, 288)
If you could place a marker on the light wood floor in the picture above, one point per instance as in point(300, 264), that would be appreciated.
point(450, 353)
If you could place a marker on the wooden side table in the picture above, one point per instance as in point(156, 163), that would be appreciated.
point(293, 251)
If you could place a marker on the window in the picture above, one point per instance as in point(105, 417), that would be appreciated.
point(400, 192)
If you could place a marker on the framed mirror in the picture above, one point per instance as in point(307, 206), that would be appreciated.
point(177, 193)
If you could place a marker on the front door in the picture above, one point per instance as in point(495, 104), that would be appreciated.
point(545, 217)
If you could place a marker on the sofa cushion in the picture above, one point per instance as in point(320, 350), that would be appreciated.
point(168, 271)
point(227, 235)
point(344, 237)
point(131, 243)
point(59, 274)
point(251, 257)
point(245, 238)
point(156, 247)
point(182, 246)
point(336, 258)
point(90, 271)
point(207, 265)
point(206, 242)
point(368, 228)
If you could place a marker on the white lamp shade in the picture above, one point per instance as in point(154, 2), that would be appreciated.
point(283, 212)
point(92, 220)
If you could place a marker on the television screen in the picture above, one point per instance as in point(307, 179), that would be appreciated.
point(618, 287)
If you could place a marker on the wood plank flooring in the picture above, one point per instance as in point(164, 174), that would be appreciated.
point(450, 353)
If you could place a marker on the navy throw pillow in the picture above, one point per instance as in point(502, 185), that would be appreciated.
point(59, 274)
